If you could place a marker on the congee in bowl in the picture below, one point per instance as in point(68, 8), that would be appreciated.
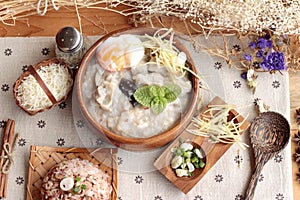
point(138, 87)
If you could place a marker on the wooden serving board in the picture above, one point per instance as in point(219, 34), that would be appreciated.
point(214, 153)
point(44, 158)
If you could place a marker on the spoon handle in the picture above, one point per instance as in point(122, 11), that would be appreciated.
point(252, 185)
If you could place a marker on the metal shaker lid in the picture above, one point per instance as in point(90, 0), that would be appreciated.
point(69, 39)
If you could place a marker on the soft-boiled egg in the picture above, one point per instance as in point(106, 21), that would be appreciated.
point(118, 53)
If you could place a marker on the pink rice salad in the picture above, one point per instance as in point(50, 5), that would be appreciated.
point(90, 183)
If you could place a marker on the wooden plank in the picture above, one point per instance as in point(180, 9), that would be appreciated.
point(213, 151)
point(92, 24)
point(295, 104)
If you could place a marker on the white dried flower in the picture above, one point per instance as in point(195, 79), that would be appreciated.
point(262, 107)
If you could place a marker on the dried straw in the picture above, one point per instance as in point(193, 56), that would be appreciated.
point(256, 15)
point(218, 45)
point(203, 16)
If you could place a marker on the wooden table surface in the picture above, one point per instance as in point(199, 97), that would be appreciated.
point(94, 22)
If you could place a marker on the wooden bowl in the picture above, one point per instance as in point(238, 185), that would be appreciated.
point(135, 143)
point(163, 165)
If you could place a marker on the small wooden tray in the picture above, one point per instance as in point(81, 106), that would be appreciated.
point(43, 158)
point(214, 151)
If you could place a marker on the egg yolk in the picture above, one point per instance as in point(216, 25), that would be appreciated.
point(118, 53)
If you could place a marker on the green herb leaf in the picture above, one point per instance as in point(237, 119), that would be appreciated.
point(142, 95)
point(155, 101)
point(175, 89)
point(161, 91)
point(153, 90)
point(171, 92)
point(157, 97)
point(157, 108)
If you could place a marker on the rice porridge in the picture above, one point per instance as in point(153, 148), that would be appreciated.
point(116, 111)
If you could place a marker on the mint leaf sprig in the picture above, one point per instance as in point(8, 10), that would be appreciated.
point(157, 97)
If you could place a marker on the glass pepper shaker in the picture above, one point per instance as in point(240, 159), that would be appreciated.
point(70, 46)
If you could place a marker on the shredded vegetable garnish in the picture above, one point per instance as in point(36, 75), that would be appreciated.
point(56, 77)
point(215, 123)
point(166, 54)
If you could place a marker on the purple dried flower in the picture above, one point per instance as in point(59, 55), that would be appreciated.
point(267, 36)
point(259, 54)
point(244, 75)
point(252, 45)
point(269, 44)
point(261, 43)
point(274, 61)
point(248, 57)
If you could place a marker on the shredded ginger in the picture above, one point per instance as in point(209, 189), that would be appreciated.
point(56, 77)
point(166, 54)
point(215, 125)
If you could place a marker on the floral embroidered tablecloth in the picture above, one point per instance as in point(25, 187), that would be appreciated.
point(63, 127)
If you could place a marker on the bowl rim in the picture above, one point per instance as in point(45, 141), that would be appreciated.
point(186, 116)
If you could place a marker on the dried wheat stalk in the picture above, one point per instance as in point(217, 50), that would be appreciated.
point(205, 16)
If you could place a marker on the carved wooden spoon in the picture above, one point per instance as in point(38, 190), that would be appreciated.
point(269, 134)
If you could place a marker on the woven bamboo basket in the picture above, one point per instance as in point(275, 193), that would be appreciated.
point(27, 73)
point(42, 159)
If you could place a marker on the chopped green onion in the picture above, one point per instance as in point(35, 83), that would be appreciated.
point(77, 179)
point(201, 164)
point(76, 189)
point(186, 161)
point(195, 160)
point(83, 187)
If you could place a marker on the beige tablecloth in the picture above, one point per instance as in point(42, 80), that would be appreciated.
point(138, 180)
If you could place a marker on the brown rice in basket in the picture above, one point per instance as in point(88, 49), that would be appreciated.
point(76, 179)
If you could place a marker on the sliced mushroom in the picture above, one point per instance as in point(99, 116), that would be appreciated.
point(176, 162)
point(190, 166)
point(105, 91)
point(186, 146)
point(181, 172)
point(198, 153)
